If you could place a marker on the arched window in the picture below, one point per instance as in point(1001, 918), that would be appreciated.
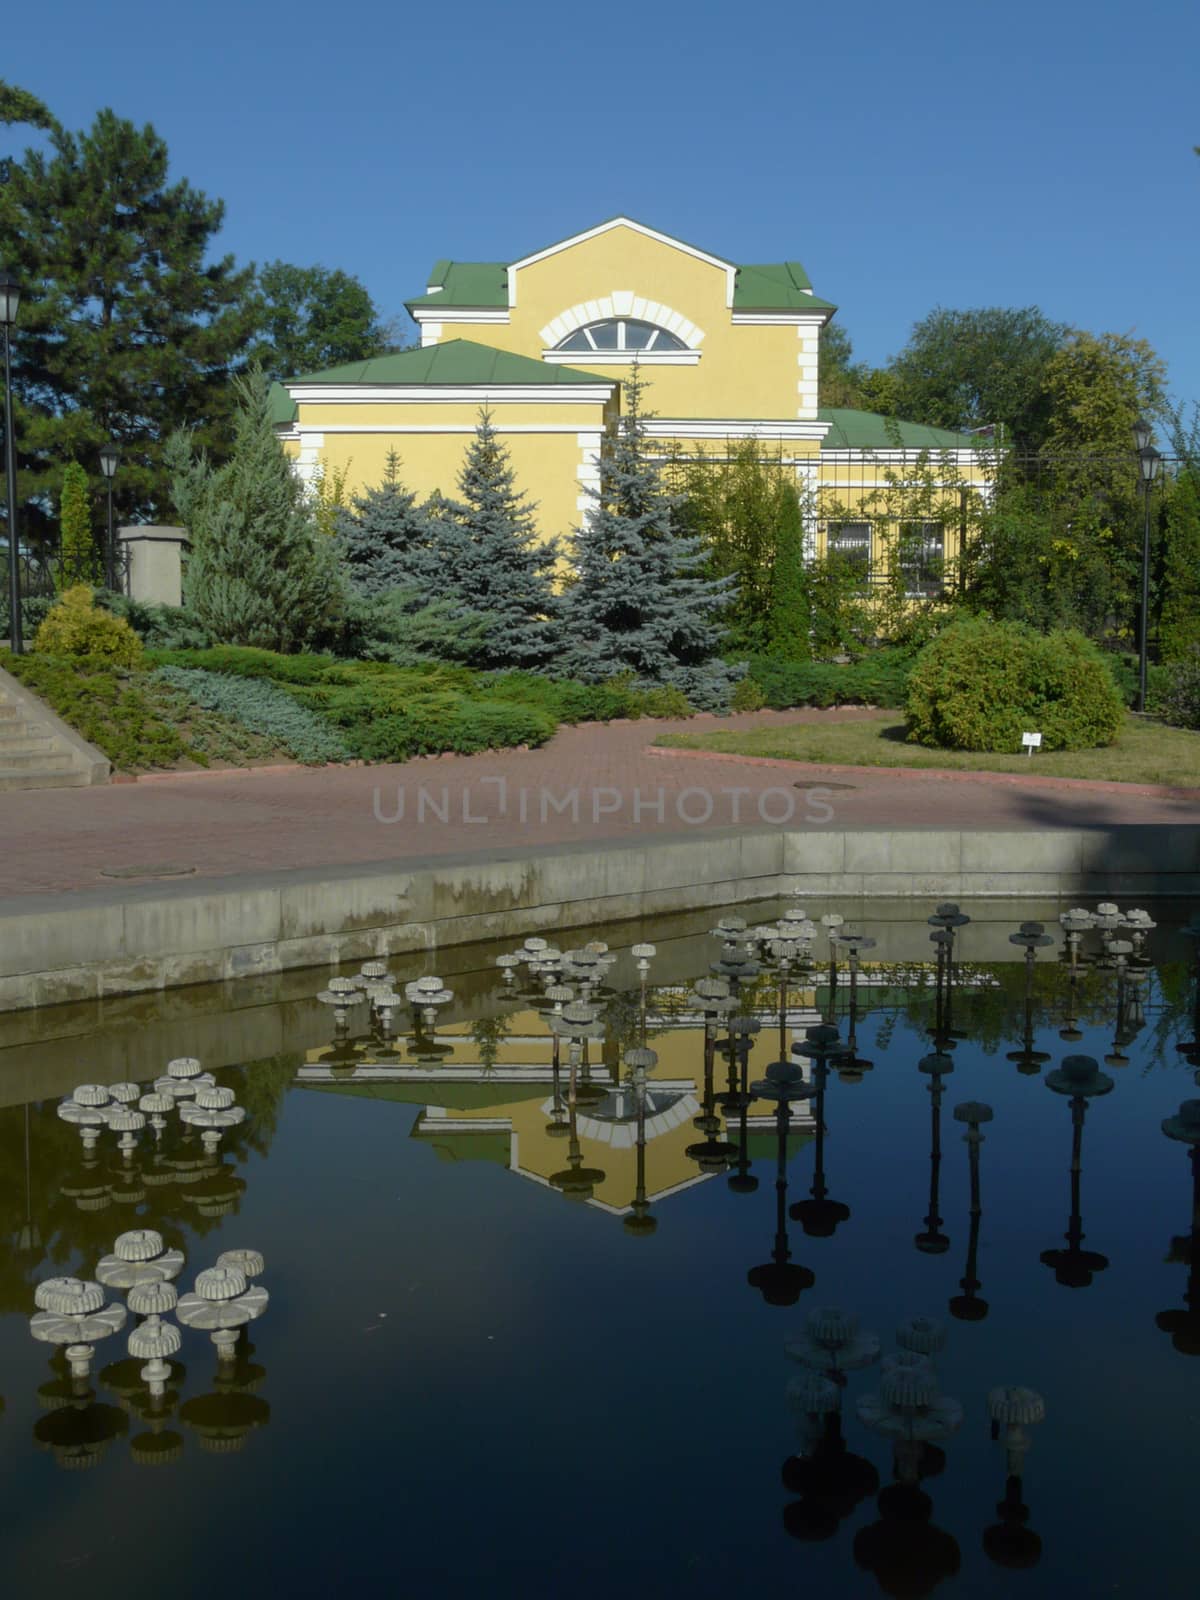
point(619, 334)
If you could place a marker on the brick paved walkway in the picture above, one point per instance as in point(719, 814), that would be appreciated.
point(590, 782)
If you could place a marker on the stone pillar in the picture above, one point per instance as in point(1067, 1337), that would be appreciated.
point(155, 556)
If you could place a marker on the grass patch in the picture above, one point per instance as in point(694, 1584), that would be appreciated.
point(1145, 751)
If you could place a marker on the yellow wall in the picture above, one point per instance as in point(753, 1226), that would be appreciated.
point(431, 440)
point(743, 372)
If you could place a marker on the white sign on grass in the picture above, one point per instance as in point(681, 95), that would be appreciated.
point(1031, 741)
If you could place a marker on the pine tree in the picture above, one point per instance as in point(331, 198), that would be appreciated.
point(489, 551)
point(259, 573)
point(383, 538)
point(130, 325)
point(640, 602)
point(78, 559)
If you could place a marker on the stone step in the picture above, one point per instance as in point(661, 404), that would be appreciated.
point(51, 760)
point(30, 744)
point(32, 778)
point(17, 729)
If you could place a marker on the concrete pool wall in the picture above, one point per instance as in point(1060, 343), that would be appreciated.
point(91, 944)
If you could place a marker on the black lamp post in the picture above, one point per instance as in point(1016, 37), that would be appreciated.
point(1149, 462)
point(109, 457)
point(10, 300)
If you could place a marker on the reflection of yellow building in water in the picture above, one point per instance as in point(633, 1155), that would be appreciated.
point(498, 1104)
point(730, 351)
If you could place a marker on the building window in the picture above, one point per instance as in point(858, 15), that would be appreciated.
point(621, 333)
point(852, 542)
point(922, 558)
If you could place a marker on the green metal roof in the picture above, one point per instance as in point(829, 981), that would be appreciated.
point(281, 405)
point(465, 283)
point(775, 286)
point(457, 362)
point(868, 430)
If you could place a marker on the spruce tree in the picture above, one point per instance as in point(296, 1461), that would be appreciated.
point(383, 538)
point(78, 559)
point(641, 602)
point(489, 553)
point(259, 573)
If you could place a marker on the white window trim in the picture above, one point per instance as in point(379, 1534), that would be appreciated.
point(621, 358)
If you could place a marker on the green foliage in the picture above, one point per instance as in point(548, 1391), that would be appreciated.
point(329, 497)
point(980, 685)
point(262, 707)
point(130, 321)
point(745, 510)
point(489, 552)
point(259, 573)
point(878, 679)
point(465, 727)
point(384, 539)
point(311, 318)
point(108, 706)
point(1179, 616)
point(78, 560)
point(399, 626)
point(963, 369)
point(17, 105)
point(158, 627)
point(243, 662)
point(1180, 700)
point(640, 600)
point(75, 627)
point(748, 695)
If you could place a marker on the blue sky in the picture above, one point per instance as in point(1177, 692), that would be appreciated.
point(909, 156)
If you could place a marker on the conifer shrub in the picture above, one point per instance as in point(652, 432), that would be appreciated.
point(78, 561)
point(261, 707)
point(979, 685)
point(877, 679)
point(75, 627)
point(747, 696)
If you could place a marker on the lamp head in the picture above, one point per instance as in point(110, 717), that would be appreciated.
point(109, 457)
point(10, 299)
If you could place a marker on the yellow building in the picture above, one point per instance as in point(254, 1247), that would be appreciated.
point(730, 352)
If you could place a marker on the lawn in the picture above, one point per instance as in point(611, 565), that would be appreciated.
point(1146, 752)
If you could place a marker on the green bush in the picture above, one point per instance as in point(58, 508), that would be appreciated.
point(242, 661)
point(263, 708)
point(660, 700)
point(1124, 669)
point(877, 679)
point(74, 627)
point(109, 706)
point(1180, 700)
point(747, 696)
point(429, 726)
point(158, 627)
point(979, 685)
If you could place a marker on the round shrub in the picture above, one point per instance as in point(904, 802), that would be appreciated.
point(980, 685)
point(76, 628)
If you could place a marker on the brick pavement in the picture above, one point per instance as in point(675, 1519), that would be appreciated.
point(589, 782)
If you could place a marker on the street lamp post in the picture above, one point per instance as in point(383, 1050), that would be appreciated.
point(10, 300)
point(1149, 462)
point(109, 457)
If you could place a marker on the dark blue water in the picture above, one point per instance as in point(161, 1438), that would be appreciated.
point(465, 1379)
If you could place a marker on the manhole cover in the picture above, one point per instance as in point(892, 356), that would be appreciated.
point(150, 869)
point(822, 783)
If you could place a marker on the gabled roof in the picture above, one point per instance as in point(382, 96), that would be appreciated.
point(868, 430)
point(458, 362)
point(775, 286)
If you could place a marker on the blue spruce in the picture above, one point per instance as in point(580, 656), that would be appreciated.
point(491, 559)
point(383, 538)
point(641, 602)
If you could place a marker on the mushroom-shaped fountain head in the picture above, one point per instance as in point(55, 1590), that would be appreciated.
point(153, 1299)
point(220, 1283)
point(216, 1098)
point(811, 1395)
point(249, 1263)
point(822, 1043)
point(1016, 1406)
point(973, 1112)
point(908, 1382)
point(183, 1068)
point(155, 1104)
point(1185, 1124)
point(139, 1244)
point(642, 1058)
point(784, 1083)
point(936, 1064)
point(154, 1341)
point(125, 1094)
point(91, 1094)
point(830, 1326)
point(1080, 1077)
point(923, 1336)
point(68, 1297)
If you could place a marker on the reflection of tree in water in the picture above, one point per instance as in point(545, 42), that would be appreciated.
point(56, 1207)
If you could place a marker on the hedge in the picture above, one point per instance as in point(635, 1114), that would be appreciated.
point(262, 707)
point(878, 679)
